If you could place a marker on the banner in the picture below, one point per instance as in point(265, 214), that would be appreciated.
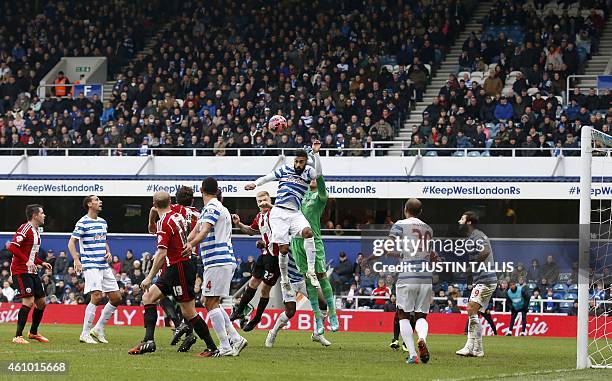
point(350, 321)
point(337, 189)
point(88, 90)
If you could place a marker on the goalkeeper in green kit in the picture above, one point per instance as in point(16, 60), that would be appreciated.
point(313, 205)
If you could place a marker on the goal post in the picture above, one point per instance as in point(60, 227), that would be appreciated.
point(584, 248)
point(594, 344)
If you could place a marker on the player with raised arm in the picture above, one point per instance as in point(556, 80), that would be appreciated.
point(266, 268)
point(178, 280)
point(286, 219)
point(485, 283)
point(214, 231)
point(183, 206)
point(90, 232)
point(313, 206)
point(24, 246)
point(414, 286)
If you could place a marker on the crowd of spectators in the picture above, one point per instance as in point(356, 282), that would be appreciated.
point(220, 70)
point(376, 290)
point(511, 94)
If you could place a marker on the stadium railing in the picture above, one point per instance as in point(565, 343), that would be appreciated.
point(364, 152)
point(354, 302)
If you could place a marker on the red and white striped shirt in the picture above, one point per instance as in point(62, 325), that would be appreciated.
point(261, 223)
point(24, 246)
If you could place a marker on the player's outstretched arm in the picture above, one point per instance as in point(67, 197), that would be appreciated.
point(243, 228)
point(262, 180)
point(321, 189)
point(78, 267)
point(316, 146)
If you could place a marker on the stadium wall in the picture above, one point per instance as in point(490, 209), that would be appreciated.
point(377, 167)
point(506, 250)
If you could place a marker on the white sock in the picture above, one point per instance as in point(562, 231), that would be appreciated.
point(107, 312)
point(229, 327)
point(90, 314)
point(311, 253)
point(406, 332)
point(218, 323)
point(473, 330)
point(280, 323)
point(283, 264)
point(421, 327)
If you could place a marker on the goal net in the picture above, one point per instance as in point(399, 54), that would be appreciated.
point(594, 336)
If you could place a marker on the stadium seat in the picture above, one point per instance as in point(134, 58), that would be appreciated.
point(532, 286)
point(560, 287)
point(431, 153)
point(459, 153)
point(559, 295)
point(573, 288)
point(462, 73)
point(571, 295)
point(473, 154)
point(485, 154)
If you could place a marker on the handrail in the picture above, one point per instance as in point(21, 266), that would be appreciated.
point(274, 151)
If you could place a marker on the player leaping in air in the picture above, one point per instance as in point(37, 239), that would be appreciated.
point(286, 220)
point(313, 205)
point(267, 271)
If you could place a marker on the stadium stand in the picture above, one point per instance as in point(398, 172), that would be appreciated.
point(211, 83)
point(509, 88)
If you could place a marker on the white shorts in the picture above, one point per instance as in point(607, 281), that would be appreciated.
point(297, 287)
point(481, 294)
point(100, 280)
point(217, 280)
point(414, 297)
point(286, 224)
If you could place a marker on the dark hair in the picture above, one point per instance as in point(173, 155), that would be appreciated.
point(87, 200)
point(301, 153)
point(210, 186)
point(220, 195)
point(414, 207)
point(184, 196)
point(31, 210)
point(471, 217)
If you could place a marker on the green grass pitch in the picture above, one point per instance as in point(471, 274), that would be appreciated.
point(353, 356)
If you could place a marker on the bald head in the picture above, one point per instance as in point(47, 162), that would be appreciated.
point(161, 200)
point(413, 207)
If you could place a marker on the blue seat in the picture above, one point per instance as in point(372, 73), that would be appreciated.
point(571, 295)
point(532, 286)
point(459, 153)
point(473, 154)
point(573, 288)
point(560, 287)
point(559, 295)
point(431, 153)
point(488, 143)
point(485, 154)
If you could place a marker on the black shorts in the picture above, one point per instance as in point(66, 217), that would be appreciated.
point(266, 268)
point(178, 280)
point(28, 285)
